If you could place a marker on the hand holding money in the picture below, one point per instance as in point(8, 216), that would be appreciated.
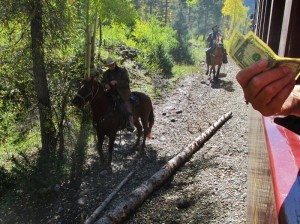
point(268, 81)
point(246, 50)
point(268, 90)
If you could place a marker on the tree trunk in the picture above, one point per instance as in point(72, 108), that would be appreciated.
point(100, 39)
point(205, 22)
point(139, 195)
point(93, 42)
point(166, 15)
point(48, 130)
point(88, 42)
point(60, 135)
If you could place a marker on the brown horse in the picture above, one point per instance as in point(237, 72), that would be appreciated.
point(109, 120)
point(216, 58)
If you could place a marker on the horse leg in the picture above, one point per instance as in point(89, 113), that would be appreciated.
point(211, 71)
point(207, 54)
point(111, 143)
point(139, 128)
point(218, 71)
point(150, 122)
point(207, 70)
point(214, 72)
point(146, 131)
point(99, 146)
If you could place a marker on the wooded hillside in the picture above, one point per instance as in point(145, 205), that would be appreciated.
point(47, 47)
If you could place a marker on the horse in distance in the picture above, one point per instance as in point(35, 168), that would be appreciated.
point(216, 58)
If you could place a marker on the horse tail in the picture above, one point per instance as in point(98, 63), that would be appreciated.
point(151, 123)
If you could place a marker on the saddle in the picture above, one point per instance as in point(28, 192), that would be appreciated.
point(134, 99)
point(118, 103)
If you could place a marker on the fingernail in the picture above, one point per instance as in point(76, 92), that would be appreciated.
point(263, 63)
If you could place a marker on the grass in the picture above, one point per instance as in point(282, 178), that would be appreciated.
point(9, 149)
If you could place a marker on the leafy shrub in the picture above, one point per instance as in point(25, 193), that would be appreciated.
point(162, 59)
point(156, 41)
point(198, 49)
point(115, 34)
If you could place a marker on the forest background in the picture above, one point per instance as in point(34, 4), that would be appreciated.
point(47, 47)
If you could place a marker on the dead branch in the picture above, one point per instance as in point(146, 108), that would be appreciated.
point(93, 217)
point(139, 195)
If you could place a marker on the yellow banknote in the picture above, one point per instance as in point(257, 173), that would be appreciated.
point(234, 41)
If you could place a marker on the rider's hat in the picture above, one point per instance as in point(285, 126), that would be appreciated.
point(109, 61)
point(216, 26)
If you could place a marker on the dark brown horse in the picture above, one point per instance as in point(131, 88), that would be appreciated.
point(109, 120)
point(216, 58)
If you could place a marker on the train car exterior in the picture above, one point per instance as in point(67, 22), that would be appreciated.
point(274, 146)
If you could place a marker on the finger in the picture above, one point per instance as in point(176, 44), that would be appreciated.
point(275, 89)
point(245, 75)
point(275, 105)
point(270, 82)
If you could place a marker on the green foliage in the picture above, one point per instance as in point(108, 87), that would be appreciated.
point(180, 71)
point(237, 13)
point(181, 53)
point(202, 15)
point(64, 29)
point(192, 2)
point(198, 48)
point(115, 34)
point(117, 11)
point(16, 83)
point(20, 130)
point(156, 42)
point(158, 56)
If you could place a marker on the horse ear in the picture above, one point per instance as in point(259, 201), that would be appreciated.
point(87, 78)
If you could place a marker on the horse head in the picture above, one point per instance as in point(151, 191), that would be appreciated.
point(87, 92)
point(219, 41)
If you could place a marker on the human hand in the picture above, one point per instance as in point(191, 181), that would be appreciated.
point(113, 82)
point(107, 86)
point(269, 92)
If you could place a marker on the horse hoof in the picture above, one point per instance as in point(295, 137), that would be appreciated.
point(150, 136)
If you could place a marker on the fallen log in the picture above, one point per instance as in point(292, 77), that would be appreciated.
point(103, 205)
point(139, 195)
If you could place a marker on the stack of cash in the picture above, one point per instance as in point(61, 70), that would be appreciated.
point(246, 50)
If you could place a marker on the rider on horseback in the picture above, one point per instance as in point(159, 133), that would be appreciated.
point(117, 80)
point(210, 40)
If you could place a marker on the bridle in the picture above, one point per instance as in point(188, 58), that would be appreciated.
point(89, 94)
point(218, 44)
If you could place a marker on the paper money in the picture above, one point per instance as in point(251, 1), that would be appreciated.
point(235, 40)
point(246, 50)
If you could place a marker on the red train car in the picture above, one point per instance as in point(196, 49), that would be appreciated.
point(274, 146)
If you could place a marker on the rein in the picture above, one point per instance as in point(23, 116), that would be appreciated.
point(93, 97)
point(90, 93)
